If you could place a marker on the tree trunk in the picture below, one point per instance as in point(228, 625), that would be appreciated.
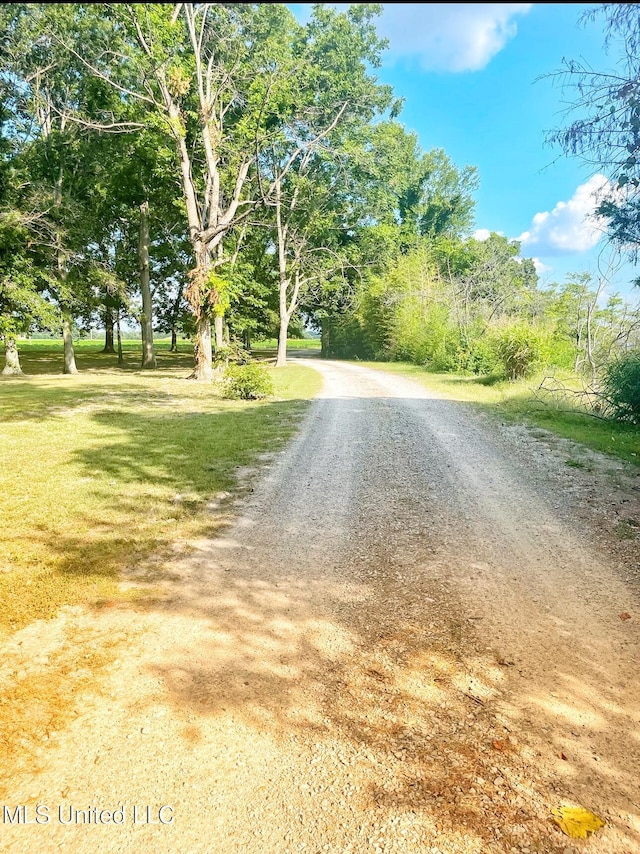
point(174, 340)
point(246, 340)
point(108, 331)
point(119, 334)
point(576, 361)
point(591, 344)
point(281, 361)
point(69, 354)
point(146, 321)
point(202, 353)
point(325, 338)
point(11, 358)
point(218, 325)
point(69, 366)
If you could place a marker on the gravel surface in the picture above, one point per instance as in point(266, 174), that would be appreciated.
point(419, 633)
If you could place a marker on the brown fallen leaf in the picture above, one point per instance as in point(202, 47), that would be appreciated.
point(577, 822)
point(625, 616)
point(499, 745)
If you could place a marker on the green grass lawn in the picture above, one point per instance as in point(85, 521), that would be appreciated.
point(292, 344)
point(520, 402)
point(104, 468)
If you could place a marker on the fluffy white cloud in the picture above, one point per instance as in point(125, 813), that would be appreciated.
point(540, 267)
point(571, 226)
point(482, 234)
point(449, 36)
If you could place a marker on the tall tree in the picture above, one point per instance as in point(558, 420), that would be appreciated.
point(23, 287)
point(205, 74)
point(51, 99)
point(602, 125)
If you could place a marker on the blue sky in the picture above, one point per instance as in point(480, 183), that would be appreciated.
point(469, 75)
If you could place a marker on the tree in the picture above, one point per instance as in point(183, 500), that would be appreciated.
point(603, 121)
point(23, 288)
point(49, 100)
point(206, 74)
point(138, 210)
point(325, 97)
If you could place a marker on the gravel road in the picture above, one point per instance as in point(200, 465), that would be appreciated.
point(420, 634)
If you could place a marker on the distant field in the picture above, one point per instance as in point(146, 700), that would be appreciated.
point(292, 344)
point(104, 468)
point(45, 356)
point(39, 356)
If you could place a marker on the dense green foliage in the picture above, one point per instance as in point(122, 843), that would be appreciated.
point(278, 190)
point(519, 349)
point(247, 382)
point(622, 387)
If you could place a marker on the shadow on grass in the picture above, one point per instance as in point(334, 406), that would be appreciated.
point(349, 644)
point(146, 480)
point(24, 400)
point(38, 362)
point(487, 380)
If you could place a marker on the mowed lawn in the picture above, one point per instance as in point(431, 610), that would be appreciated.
point(102, 469)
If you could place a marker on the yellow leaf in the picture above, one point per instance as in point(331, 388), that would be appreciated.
point(576, 822)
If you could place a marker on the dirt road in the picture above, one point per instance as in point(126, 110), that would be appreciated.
point(413, 638)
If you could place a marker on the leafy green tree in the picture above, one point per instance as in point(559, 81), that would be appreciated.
point(446, 206)
point(23, 288)
point(207, 76)
point(603, 119)
point(326, 96)
point(50, 102)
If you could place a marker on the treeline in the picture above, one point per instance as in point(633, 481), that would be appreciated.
point(476, 306)
point(224, 172)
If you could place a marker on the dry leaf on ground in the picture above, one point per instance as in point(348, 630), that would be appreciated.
point(577, 822)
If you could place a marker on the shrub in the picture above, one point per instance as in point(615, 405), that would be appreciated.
point(234, 353)
point(621, 387)
point(519, 350)
point(477, 357)
point(246, 382)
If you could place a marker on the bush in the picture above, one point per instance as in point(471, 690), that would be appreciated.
point(246, 382)
point(621, 387)
point(234, 354)
point(478, 357)
point(519, 350)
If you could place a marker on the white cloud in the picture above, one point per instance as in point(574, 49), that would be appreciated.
point(482, 234)
point(540, 267)
point(449, 36)
point(571, 226)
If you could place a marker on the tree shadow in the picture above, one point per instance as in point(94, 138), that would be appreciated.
point(347, 621)
point(46, 358)
point(359, 634)
point(145, 479)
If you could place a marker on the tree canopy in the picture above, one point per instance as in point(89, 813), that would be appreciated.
point(223, 171)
